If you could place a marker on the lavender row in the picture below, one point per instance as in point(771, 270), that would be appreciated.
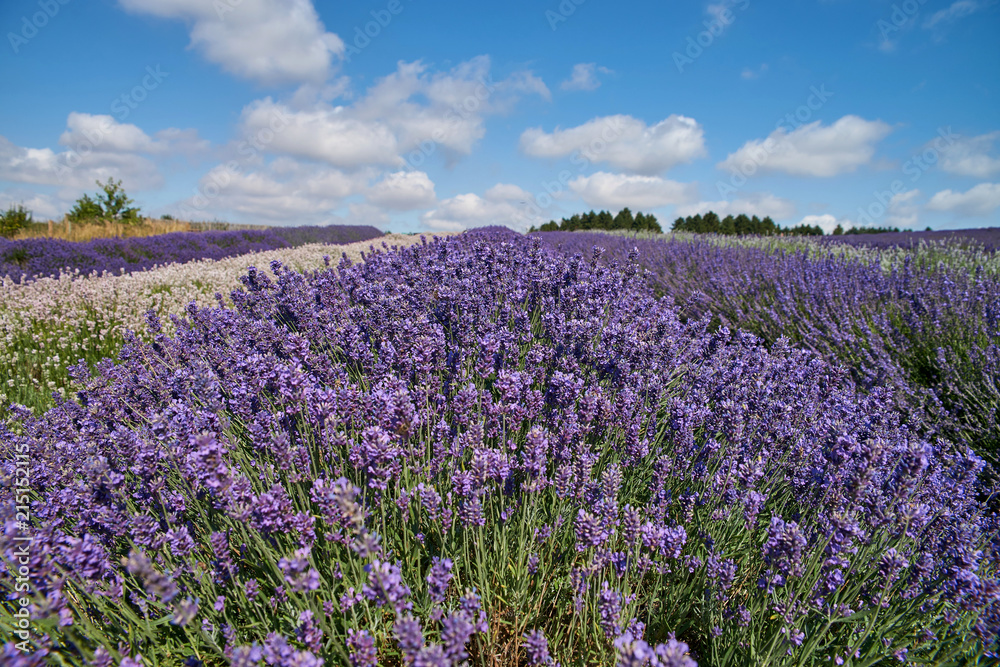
point(480, 449)
point(987, 239)
point(28, 259)
point(932, 336)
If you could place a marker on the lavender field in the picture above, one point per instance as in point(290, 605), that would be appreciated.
point(41, 257)
point(493, 449)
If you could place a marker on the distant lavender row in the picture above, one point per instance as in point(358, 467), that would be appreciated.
point(988, 238)
point(933, 336)
point(34, 258)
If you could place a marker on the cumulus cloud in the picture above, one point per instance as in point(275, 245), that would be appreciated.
point(503, 204)
point(409, 114)
point(281, 192)
point(362, 214)
point(98, 147)
point(615, 191)
point(584, 77)
point(268, 41)
point(403, 191)
point(331, 135)
point(903, 209)
point(759, 204)
point(106, 134)
point(813, 149)
point(972, 156)
point(470, 210)
point(508, 192)
point(623, 142)
point(980, 200)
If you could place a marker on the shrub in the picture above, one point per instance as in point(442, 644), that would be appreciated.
point(14, 220)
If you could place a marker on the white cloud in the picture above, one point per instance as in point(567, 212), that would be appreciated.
point(362, 214)
point(749, 73)
point(623, 142)
point(407, 114)
point(903, 209)
point(42, 206)
point(722, 13)
point(813, 150)
point(508, 192)
point(106, 134)
point(285, 192)
point(331, 135)
point(826, 222)
point(615, 191)
point(971, 156)
point(957, 10)
point(759, 204)
point(584, 77)
point(980, 200)
point(470, 210)
point(403, 191)
point(97, 148)
point(268, 41)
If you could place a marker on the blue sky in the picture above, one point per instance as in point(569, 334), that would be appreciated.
point(414, 116)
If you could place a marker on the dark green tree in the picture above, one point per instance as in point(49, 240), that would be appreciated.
point(111, 204)
point(14, 220)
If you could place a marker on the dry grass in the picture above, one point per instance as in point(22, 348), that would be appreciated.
point(68, 231)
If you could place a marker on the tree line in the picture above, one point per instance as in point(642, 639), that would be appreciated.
point(743, 225)
point(639, 222)
point(740, 225)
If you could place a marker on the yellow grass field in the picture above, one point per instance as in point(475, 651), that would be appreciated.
point(69, 231)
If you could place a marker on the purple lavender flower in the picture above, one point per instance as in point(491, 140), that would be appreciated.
point(153, 582)
point(609, 606)
point(279, 653)
point(246, 656)
point(362, 648)
point(299, 573)
point(385, 586)
point(589, 531)
point(438, 579)
point(537, 647)
point(184, 612)
point(410, 636)
point(784, 550)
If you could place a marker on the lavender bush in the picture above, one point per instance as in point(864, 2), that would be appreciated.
point(933, 336)
point(480, 450)
point(33, 258)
